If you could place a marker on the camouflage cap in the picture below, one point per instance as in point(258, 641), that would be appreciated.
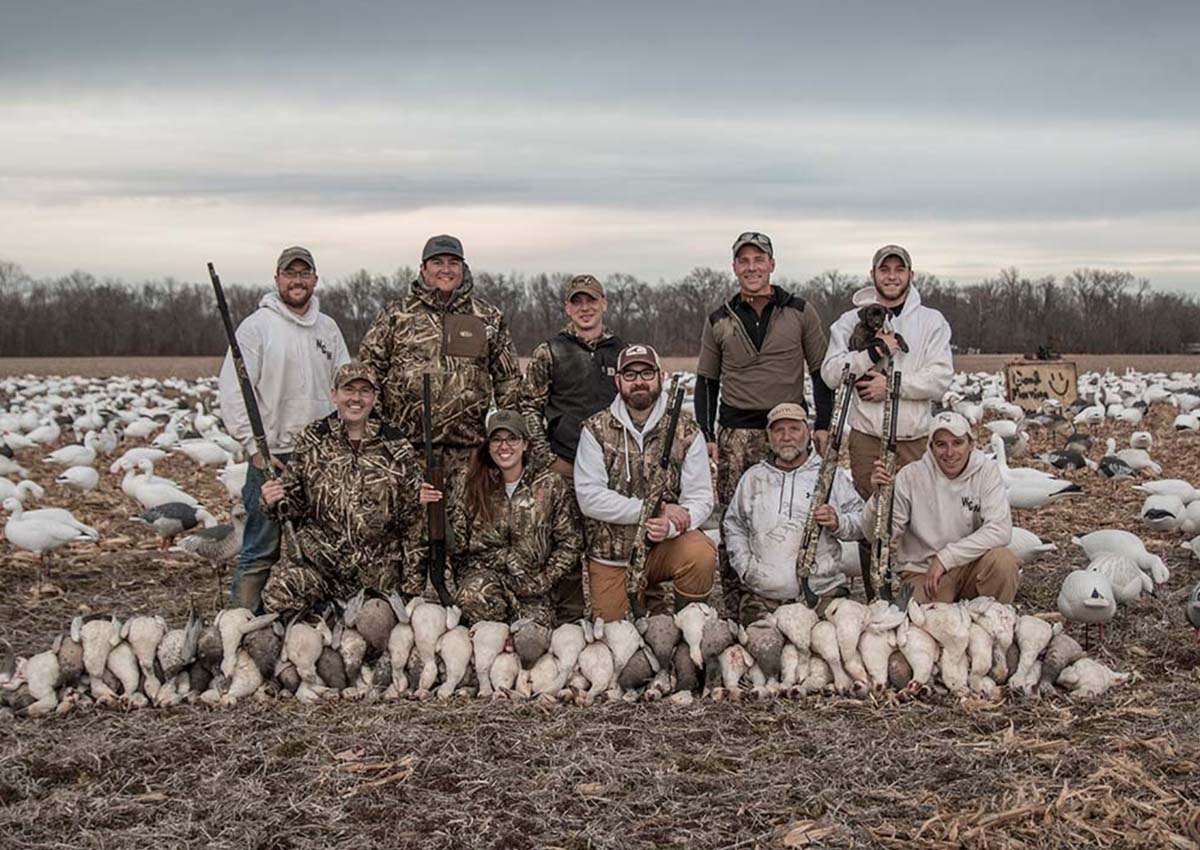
point(442, 244)
point(507, 420)
point(632, 354)
point(891, 251)
point(788, 410)
point(294, 253)
point(355, 371)
point(584, 283)
point(758, 240)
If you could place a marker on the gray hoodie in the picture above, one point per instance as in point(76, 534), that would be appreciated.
point(764, 524)
point(956, 519)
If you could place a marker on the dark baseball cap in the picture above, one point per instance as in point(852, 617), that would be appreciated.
point(442, 244)
point(632, 354)
point(294, 253)
point(891, 251)
point(507, 420)
point(584, 283)
point(758, 240)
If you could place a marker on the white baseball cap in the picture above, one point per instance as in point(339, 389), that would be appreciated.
point(955, 423)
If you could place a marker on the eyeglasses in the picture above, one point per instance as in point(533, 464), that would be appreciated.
point(510, 441)
point(358, 392)
point(634, 374)
point(292, 274)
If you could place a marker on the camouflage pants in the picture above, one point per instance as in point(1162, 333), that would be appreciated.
point(293, 588)
point(738, 449)
point(415, 581)
point(752, 607)
point(484, 595)
point(569, 595)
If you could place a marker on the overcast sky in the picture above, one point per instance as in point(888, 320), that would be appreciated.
point(140, 139)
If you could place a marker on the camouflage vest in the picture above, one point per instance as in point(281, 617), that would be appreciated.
point(610, 542)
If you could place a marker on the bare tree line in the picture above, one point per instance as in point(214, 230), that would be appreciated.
point(1089, 311)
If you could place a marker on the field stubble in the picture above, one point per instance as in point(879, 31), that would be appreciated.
point(832, 772)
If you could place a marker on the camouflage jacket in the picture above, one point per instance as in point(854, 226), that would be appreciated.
point(534, 538)
point(466, 347)
point(610, 477)
point(355, 511)
point(556, 398)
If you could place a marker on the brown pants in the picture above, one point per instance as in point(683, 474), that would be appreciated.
point(864, 451)
point(689, 561)
point(994, 573)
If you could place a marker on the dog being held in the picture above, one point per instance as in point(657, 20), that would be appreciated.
point(865, 337)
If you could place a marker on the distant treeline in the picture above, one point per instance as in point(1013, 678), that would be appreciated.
point(1089, 311)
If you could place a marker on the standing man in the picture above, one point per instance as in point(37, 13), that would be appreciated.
point(616, 448)
point(754, 351)
point(926, 369)
point(463, 341)
point(292, 351)
point(764, 523)
point(570, 377)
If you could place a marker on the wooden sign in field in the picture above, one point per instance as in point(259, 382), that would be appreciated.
point(1031, 382)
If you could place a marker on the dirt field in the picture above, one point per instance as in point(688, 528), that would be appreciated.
point(1123, 772)
point(200, 367)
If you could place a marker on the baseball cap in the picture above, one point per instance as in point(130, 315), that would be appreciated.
point(294, 253)
point(758, 240)
point(631, 354)
point(891, 251)
point(955, 423)
point(584, 283)
point(507, 420)
point(354, 371)
point(787, 410)
point(442, 244)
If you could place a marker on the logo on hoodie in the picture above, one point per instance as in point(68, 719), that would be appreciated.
point(325, 350)
point(970, 504)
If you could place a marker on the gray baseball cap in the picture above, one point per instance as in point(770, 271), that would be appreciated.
point(442, 244)
point(759, 240)
point(891, 251)
point(294, 253)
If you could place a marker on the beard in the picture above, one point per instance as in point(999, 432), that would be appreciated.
point(639, 399)
point(788, 453)
point(297, 299)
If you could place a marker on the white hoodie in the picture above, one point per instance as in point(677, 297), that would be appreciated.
point(290, 361)
point(957, 519)
point(926, 370)
point(764, 524)
point(599, 502)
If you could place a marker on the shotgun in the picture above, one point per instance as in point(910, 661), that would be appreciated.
point(881, 547)
point(435, 475)
point(252, 413)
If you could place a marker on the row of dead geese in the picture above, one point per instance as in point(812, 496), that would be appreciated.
point(391, 649)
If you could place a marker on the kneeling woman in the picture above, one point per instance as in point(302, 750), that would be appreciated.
point(514, 534)
point(351, 491)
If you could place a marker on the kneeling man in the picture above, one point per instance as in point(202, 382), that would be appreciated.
point(950, 519)
point(765, 520)
point(353, 490)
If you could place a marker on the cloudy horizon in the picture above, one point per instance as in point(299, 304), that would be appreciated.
point(141, 140)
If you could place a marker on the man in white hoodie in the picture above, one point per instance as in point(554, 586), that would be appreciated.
point(616, 448)
point(951, 522)
point(292, 351)
point(765, 520)
point(926, 368)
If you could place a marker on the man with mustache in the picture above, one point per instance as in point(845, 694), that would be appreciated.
point(617, 447)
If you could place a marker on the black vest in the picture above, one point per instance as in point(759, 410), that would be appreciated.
point(581, 384)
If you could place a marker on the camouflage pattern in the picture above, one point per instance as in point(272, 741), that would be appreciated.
point(752, 607)
point(738, 449)
point(535, 393)
point(466, 347)
point(610, 542)
point(509, 568)
point(354, 511)
point(354, 371)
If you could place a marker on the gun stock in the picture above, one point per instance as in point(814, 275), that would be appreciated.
point(435, 474)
